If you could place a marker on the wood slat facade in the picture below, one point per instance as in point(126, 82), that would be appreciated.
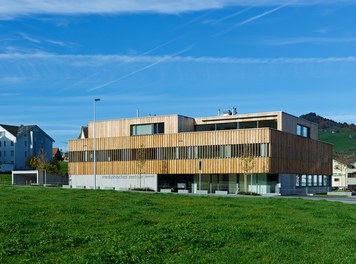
point(287, 153)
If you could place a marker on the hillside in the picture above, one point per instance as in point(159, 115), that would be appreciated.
point(341, 135)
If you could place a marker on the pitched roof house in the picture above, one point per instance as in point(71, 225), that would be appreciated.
point(18, 143)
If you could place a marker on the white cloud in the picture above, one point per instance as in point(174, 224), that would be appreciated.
point(306, 40)
point(12, 80)
point(99, 60)
point(10, 8)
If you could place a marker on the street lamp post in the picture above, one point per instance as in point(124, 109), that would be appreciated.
point(94, 135)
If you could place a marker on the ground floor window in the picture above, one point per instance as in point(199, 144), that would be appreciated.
point(220, 183)
point(303, 180)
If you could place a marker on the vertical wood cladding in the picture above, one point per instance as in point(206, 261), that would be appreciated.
point(296, 154)
point(287, 153)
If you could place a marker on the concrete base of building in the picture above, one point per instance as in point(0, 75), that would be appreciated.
point(118, 182)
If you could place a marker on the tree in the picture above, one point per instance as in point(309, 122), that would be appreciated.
point(141, 160)
point(39, 163)
point(248, 161)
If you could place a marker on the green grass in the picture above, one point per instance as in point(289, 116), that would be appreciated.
point(343, 139)
point(41, 225)
point(5, 179)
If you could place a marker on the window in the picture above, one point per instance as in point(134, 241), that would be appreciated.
point(12, 153)
point(303, 131)
point(208, 127)
point(25, 153)
point(304, 180)
point(268, 123)
point(4, 143)
point(315, 180)
point(147, 129)
point(310, 180)
point(12, 143)
point(248, 124)
point(25, 143)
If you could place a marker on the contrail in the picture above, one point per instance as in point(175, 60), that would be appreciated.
point(139, 70)
point(253, 18)
point(231, 15)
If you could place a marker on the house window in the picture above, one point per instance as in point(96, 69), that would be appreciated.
point(25, 143)
point(12, 143)
point(303, 131)
point(147, 129)
point(25, 153)
point(12, 153)
point(4, 143)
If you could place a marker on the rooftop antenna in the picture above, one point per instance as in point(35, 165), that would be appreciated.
point(234, 111)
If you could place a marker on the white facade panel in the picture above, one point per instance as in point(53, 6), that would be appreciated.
point(119, 182)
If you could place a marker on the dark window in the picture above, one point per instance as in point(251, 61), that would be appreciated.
point(209, 127)
point(303, 131)
point(268, 123)
point(249, 124)
point(147, 129)
point(226, 126)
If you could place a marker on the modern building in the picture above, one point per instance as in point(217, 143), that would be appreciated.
point(18, 143)
point(264, 153)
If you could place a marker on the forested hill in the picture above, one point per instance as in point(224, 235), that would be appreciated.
point(325, 123)
point(341, 135)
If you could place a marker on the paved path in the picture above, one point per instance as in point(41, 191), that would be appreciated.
point(348, 200)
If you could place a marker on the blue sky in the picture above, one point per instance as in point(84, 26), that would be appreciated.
point(171, 56)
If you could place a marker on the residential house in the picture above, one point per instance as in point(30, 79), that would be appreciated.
point(344, 173)
point(56, 153)
point(18, 143)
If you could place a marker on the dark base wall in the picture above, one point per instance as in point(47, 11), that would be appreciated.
point(288, 186)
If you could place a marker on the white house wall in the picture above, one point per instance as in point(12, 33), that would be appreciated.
point(7, 150)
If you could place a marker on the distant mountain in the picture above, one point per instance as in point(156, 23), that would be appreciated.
point(325, 123)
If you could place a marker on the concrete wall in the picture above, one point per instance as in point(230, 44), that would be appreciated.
point(119, 182)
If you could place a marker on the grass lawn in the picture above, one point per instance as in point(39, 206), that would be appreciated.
point(5, 179)
point(343, 139)
point(50, 225)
